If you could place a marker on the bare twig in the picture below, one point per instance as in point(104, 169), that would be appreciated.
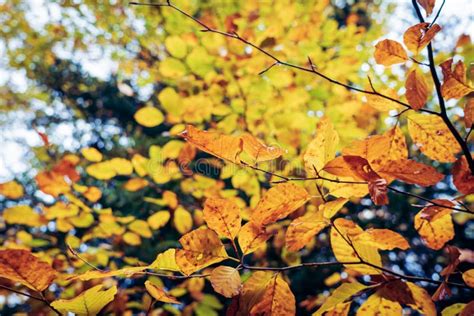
point(41, 299)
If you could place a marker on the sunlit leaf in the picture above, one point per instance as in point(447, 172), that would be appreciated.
point(378, 305)
point(222, 216)
point(322, 148)
point(384, 239)
point(92, 154)
point(340, 295)
point(252, 237)
point(389, 52)
point(435, 225)
point(149, 116)
point(258, 151)
point(226, 281)
point(165, 261)
point(302, 230)
point(454, 80)
point(11, 190)
point(419, 36)
point(159, 294)
point(417, 89)
point(277, 299)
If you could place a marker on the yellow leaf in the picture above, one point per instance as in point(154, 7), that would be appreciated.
point(132, 239)
point(141, 228)
point(219, 145)
point(97, 274)
point(322, 148)
point(258, 151)
point(331, 208)
point(135, 184)
point(93, 194)
point(302, 230)
point(121, 166)
point(423, 302)
point(384, 239)
point(159, 219)
point(102, 170)
point(435, 226)
point(346, 232)
point(11, 190)
point(468, 277)
point(222, 216)
point(279, 202)
point(23, 215)
point(433, 137)
point(149, 116)
point(454, 81)
point(139, 163)
point(182, 220)
point(453, 310)
point(417, 89)
point(201, 248)
point(252, 237)
point(23, 267)
point(419, 36)
point(61, 210)
point(159, 294)
point(340, 295)
point(226, 281)
point(176, 46)
point(91, 154)
point(377, 305)
point(277, 299)
point(165, 261)
point(383, 104)
point(88, 303)
point(388, 52)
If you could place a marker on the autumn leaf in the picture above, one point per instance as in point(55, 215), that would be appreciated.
point(463, 179)
point(219, 145)
point(468, 277)
point(149, 116)
point(344, 292)
point(433, 137)
point(52, 183)
point(345, 231)
point(410, 171)
point(423, 302)
point(23, 215)
point(302, 230)
point(257, 150)
point(182, 220)
point(454, 84)
point(165, 261)
point(322, 148)
point(23, 267)
point(159, 219)
point(92, 154)
point(222, 216)
point(383, 239)
point(201, 248)
point(417, 90)
point(428, 5)
point(135, 184)
point(226, 281)
point(389, 52)
point(159, 294)
point(11, 190)
point(378, 305)
point(253, 291)
point(89, 302)
point(277, 299)
point(279, 202)
point(418, 36)
point(252, 237)
point(99, 274)
point(435, 225)
point(469, 113)
point(331, 208)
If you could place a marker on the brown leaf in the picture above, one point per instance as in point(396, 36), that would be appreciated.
point(454, 80)
point(397, 291)
point(469, 113)
point(388, 52)
point(419, 36)
point(378, 191)
point(23, 267)
point(442, 292)
point(428, 5)
point(417, 90)
point(462, 177)
point(226, 281)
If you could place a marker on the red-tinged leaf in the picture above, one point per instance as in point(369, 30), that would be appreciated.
point(378, 191)
point(417, 89)
point(411, 171)
point(469, 113)
point(442, 292)
point(419, 36)
point(428, 5)
point(462, 177)
point(453, 261)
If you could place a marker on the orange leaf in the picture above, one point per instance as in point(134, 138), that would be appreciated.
point(435, 226)
point(384, 239)
point(469, 113)
point(417, 90)
point(52, 183)
point(222, 216)
point(303, 229)
point(23, 267)
point(462, 177)
point(201, 248)
point(411, 171)
point(159, 294)
point(252, 237)
point(259, 151)
point(454, 80)
point(223, 146)
point(277, 299)
point(226, 281)
point(253, 291)
point(423, 302)
point(419, 36)
point(388, 52)
point(279, 202)
point(11, 190)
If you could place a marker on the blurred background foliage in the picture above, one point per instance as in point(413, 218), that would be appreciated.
point(77, 71)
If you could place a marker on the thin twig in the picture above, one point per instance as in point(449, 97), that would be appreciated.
point(41, 299)
point(437, 14)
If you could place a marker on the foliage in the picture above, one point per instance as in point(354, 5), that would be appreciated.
point(259, 178)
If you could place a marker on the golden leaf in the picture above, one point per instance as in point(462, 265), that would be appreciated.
point(11, 190)
point(182, 220)
point(468, 277)
point(135, 184)
point(252, 237)
point(159, 219)
point(222, 216)
point(23, 267)
point(419, 36)
point(91, 154)
point(411, 171)
point(52, 183)
point(384, 239)
point(226, 281)
point(322, 148)
point(88, 303)
point(257, 150)
point(417, 89)
point(345, 231)
point(435, 225)
point(302, 230)
point(340, 295)
point(423, 301)
point(149, 116)
point(141, 228)
point(279, 202)
point(454, 81)
point(433, 137)
point(201, 248)
point(380, 306)
point(277, 299)
point(98, 274)
point(219, 145)
point(253, 291)
point(388, 52)
point(159, 294)
point(331, 208)
point(23, 215)
point(165, 261)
